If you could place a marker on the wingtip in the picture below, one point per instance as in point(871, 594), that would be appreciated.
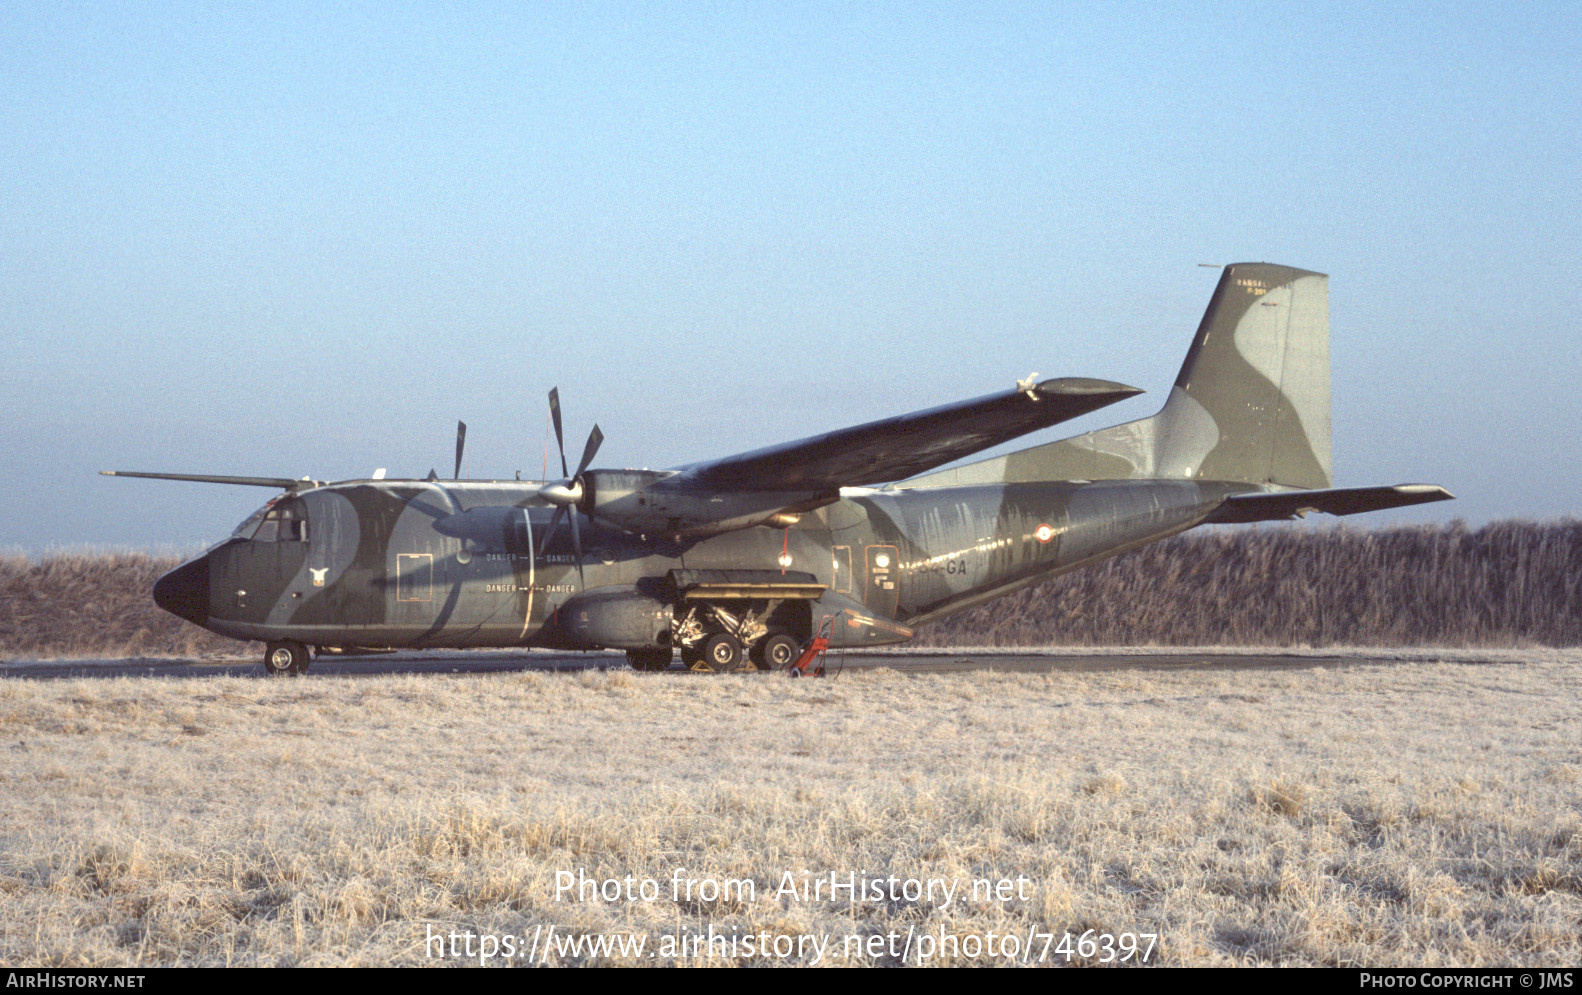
point(1439, 493)
point(1087, 386)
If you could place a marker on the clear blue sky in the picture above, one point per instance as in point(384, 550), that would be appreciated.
point(305, 239)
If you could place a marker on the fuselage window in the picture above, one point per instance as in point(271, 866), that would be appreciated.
point(842, 568)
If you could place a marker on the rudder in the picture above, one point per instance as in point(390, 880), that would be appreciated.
point(1259, 367)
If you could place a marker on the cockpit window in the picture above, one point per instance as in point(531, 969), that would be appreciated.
point(249, 525)
point(277, 521)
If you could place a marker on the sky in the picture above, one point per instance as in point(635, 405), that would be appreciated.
point(305, 239)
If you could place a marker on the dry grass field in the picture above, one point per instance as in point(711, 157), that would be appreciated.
point(93, 603)
point(1512, 583)
point(1400, 814)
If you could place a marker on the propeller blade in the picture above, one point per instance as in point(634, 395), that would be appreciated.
point(562, 494)
point(595, 440)
point(576, 545)
point(560, 436)
point(576, 537)
point(549, 533)
point(461, 443)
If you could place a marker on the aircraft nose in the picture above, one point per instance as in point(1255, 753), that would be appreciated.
point(184, 591)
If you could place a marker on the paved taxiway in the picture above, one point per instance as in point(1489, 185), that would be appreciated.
point(925, 661)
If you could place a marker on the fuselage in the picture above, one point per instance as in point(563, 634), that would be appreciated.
point(466, 564)
point(764, 552)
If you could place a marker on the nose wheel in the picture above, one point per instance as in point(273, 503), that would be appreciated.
point(285, 659)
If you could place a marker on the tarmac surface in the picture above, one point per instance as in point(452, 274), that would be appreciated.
point(921, 661)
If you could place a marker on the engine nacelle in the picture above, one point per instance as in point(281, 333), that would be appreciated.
point(658, 503)
point(617, 618)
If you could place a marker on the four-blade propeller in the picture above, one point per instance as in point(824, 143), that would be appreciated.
point(567, 493)
point(563, 494)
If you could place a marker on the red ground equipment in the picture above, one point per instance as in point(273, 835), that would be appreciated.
point(814, 649)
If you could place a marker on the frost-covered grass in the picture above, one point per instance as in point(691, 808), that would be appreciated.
point(1401, 813)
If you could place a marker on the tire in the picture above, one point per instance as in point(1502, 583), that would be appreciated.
point(779, 651)
point(285, 658)
point(722, 653)
point(649, 659)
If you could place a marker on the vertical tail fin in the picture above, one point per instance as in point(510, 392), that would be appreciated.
point(1259, 367)
point(1250, 405)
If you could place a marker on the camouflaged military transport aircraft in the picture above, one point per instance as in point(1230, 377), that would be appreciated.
point(737, 562)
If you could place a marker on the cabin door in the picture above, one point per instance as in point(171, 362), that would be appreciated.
point(882, 592)
point(414, 589)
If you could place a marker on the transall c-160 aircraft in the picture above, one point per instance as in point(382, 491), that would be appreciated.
point(857, 535)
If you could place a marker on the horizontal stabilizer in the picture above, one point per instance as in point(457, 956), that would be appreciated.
point(898, 447)
point(1263, 507)
point(284, 483)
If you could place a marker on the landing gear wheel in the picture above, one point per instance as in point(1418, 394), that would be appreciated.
point(778, 652)
point(649, 659)
point(286, 658)
point(721, 653)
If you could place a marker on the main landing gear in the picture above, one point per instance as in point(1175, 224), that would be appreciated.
point(749, 636)
point(723, 653)
point(778, 652)
point(719, 653)
point(285, 659)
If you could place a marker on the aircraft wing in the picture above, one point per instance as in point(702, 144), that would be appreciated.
point(284, 483)
point(1273, 507)
point(896, 448)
